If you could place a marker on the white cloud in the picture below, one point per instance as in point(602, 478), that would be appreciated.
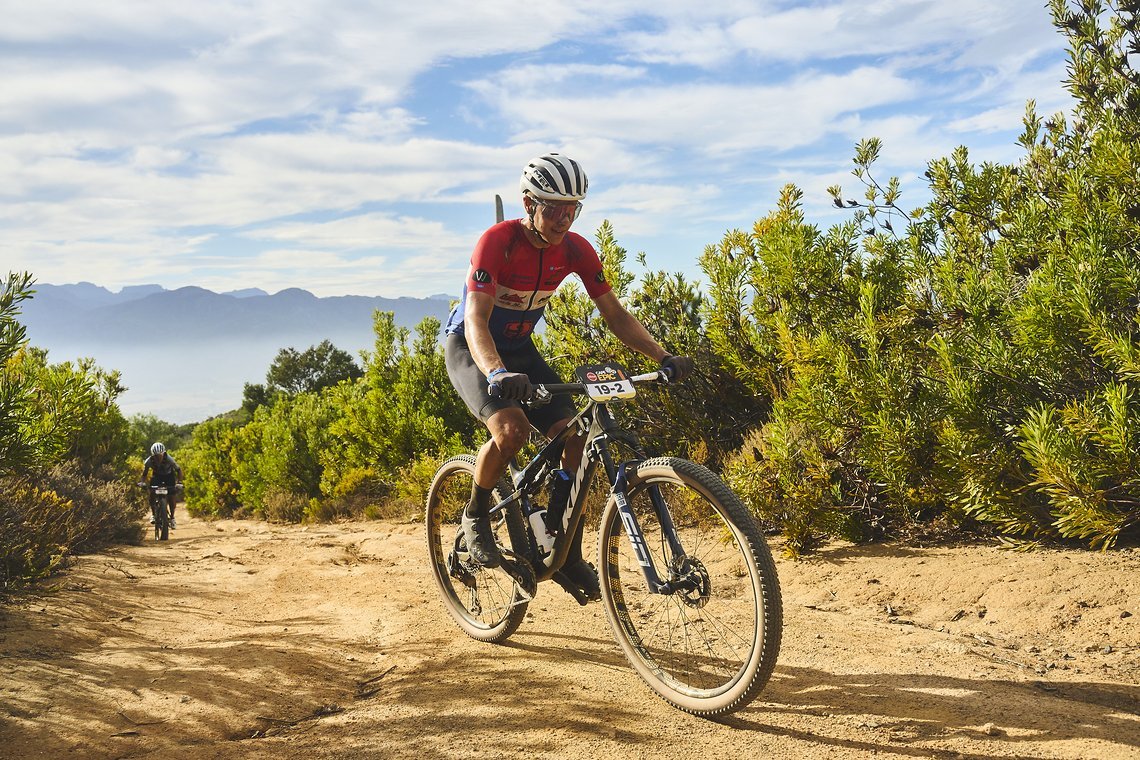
point(222, 142)
point(331, 272)
point(711, 118)
point(969, 33)
point(363, 231)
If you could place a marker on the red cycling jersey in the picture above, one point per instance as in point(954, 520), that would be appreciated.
point(522, 279)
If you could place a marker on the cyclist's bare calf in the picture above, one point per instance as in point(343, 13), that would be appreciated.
point(509, 430)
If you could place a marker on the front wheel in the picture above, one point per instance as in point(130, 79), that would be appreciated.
point(161, 519)
point(708, 645)
point(486, 603)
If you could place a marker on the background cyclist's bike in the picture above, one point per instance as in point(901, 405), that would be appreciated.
point(687, 581)
point(159, 496)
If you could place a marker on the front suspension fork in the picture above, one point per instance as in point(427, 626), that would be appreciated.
point(619, 494)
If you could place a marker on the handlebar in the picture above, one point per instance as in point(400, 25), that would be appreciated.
point(542, 392)
point(555, 389)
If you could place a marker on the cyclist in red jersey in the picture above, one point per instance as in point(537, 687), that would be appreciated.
point(515, 269)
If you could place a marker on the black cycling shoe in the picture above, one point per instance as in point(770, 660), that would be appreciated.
point(582, 575)
point(481, 540)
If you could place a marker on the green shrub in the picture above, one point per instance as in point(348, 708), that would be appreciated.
point(410, 492)
point(65, 512)
point(977, 359)
point(783, 477)
point(209, 467)
point(361, 487)
point(328, 510)
point(105, 511)
point(1086, 459)
point(34, 531)
point(283, 507)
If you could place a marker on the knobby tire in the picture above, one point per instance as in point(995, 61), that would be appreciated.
point(490, 606)
point(158, 508)
point(709, 651)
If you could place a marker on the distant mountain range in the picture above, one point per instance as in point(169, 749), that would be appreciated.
point(186, 354)
point(147, 314)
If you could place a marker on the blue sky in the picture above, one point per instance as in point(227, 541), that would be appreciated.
point(354, 147)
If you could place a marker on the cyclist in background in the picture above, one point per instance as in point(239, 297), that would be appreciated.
point(515, 269)
point(162, 470)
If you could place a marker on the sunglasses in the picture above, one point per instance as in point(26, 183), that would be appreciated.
point(556, 212)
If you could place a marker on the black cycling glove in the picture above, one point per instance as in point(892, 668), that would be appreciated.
point(677, 367)
point(513, 386)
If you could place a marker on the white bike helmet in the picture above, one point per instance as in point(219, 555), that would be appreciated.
point(554, 177)
point(157, 449)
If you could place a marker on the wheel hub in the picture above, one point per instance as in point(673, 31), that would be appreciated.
point(691, 581)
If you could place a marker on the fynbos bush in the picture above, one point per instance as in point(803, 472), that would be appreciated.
point(65, 512)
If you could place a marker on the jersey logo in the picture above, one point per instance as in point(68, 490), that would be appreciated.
point(481, 275)
point(601, 277)
point(518, 329)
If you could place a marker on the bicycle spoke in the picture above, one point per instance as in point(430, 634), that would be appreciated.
point(485, 602)
point(707, 646)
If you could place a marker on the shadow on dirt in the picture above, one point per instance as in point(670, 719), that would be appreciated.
point(928, 707)
point(79, 675)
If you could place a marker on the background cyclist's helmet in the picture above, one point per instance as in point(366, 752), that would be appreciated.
point(157, 449)
point(554, 177)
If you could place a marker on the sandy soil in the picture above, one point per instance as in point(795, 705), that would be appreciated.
point(246, 640)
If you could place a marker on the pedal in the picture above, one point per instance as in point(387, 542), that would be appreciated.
point(571, 588)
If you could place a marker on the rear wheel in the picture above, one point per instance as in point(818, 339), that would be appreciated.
point(487, 603)
point(710, 645)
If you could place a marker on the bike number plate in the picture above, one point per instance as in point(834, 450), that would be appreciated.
point(160, 491)
point(606, 382)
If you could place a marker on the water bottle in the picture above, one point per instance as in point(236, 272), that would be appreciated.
point(542, 536)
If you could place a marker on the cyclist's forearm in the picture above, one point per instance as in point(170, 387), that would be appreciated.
point(633, 334)
point(476, 319)
point(627, 327)
point(483, 350)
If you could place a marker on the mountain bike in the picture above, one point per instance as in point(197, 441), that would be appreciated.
point(158, 496)
point(688, 583)
point(159, 511)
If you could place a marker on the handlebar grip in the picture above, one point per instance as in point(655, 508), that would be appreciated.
point(538, 393)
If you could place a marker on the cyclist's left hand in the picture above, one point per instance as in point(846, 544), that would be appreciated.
point(677, 367)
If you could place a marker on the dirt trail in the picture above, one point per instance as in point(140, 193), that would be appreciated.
point(246, 640)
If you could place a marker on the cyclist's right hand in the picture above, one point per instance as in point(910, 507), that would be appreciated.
point(677, 367)
point(513, 386)
point(142, 484)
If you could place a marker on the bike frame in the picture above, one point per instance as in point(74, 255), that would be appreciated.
point(597, 424)
point(159, 500)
